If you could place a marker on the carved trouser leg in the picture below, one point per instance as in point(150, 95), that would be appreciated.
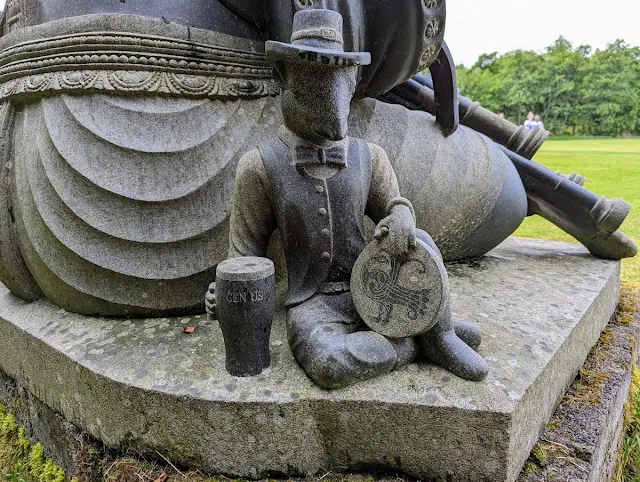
point(325, 339)
point(451, 345)
point(332, 345)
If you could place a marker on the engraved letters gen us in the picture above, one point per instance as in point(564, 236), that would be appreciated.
point(244, 296)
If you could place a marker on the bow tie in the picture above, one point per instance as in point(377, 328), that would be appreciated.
point(317, 156)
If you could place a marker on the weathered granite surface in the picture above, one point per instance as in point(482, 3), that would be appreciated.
point(582, 440)
point(145, 385)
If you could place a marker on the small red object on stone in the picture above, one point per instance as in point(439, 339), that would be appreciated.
point(189, 329)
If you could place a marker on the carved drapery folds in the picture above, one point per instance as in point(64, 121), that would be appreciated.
point(130, 218)
point(13, 270)
point(119, 151)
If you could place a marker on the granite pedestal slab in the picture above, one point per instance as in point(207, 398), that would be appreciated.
point(143, 385)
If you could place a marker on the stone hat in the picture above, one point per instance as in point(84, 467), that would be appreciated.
point(316, 38)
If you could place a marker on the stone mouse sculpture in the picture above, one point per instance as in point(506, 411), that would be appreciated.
point(316, 184)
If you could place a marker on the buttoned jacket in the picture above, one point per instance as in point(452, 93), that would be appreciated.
point(320, 213)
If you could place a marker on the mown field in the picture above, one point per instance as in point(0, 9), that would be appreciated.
point(612, 167)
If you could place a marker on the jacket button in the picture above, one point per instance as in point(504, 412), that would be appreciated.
point(322, 212)
point(326, 255)
point(319, 189)
point(325, 232)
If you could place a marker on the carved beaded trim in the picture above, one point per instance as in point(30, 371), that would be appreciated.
point(127, 81)
point(133, 63)
point(429, 55)
point(434, 12)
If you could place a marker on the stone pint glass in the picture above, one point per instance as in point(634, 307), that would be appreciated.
point(245, 297)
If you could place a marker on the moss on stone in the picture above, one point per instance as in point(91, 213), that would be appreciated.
point(592, 381)
point(628, 468)
point(540, 454)
point(20, 461)
point(629, 302)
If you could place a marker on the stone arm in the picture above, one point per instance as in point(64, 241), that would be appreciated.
point(384, 186)
point(252, 220)
point(393, 215)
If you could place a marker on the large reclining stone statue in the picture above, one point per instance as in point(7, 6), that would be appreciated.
point(122, 124)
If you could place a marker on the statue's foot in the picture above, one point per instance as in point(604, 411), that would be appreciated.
point(611, 246)
point(469, 333)
point(406, 350)
point(605, 219)
point(449, 351)
point(334, 358)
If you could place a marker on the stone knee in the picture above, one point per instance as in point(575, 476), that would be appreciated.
point(334, 357)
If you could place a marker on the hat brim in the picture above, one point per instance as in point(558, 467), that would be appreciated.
point(285, 52)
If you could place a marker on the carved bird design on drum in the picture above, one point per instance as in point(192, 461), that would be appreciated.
point(380, 281)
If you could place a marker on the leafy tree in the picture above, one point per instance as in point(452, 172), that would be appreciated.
point(575, 90)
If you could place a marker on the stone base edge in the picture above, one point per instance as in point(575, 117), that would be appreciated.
point(580, 443)
point(582, 440)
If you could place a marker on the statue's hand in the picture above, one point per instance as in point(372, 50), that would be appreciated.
point(210, 301)
point(397, 232)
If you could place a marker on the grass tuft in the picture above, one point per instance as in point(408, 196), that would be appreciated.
point(628, 468)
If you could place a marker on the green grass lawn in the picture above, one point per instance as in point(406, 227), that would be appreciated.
point(612, 169)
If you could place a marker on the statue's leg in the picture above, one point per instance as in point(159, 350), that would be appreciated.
point(141, 234)
point(470, 196)
point(324, 337)
point(467, 332)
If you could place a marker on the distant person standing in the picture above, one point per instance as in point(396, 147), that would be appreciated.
point(538, 122)
point(529, 124)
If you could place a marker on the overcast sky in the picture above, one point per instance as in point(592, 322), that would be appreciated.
point(475, 27)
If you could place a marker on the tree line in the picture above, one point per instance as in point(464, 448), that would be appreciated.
point(576, 91)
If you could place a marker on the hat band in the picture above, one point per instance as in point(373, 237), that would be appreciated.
point(318, 33)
